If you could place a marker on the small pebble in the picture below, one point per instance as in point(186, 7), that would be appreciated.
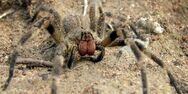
point(146, 23)
point(157, 28)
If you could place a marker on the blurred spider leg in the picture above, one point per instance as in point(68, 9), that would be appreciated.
point(13, 57)
point(92, 17)
point(144, 81)
point(57, 69)
point(27, 35)
point(11, 62)
point(101, 55)
point(155, 59)
point(117, 42)
point(140, 41)
point(72, 59)
point(53, 87)
point(161, 64)
point(174, 83)
point(101, 23)
point(135, 50)
point(110, 38)
point(133, 28)
point(138, 56)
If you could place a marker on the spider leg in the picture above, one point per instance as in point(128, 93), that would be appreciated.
point(11, 62)
point(13, 57)
point(92, 17)
point(135, 50)
point(133, 28)
point(97, 22)
point(27, 35)
point(72, 59)
point(98, 58)
point(144, 81)
point(138, 55)
point(53, 87)
point(157, 60)
point(57, 70)
point(101, 23)
point(174, 83)
point(117, 42)
point(111, 37)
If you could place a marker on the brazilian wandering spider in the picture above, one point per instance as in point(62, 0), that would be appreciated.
point(72, 39)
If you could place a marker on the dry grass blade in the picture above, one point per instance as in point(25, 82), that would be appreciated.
point(85, 7)
point(10, 11)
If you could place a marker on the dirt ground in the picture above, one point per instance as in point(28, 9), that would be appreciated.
point(112, 75)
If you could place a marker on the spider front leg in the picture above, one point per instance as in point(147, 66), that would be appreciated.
point(71, 58)
point(115, 38)
point(100, 56)
point(37, 24)
point(97, 22)
point(12, 60)
point(101, 23)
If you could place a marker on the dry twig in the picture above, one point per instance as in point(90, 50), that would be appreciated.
point(34, 62)
point(10, 11)
point(85, 7)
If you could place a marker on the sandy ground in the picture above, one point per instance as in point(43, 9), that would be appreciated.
point(112, 75)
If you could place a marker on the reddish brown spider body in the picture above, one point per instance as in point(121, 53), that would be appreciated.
point(87, 45)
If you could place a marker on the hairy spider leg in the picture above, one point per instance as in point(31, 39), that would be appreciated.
point(157, 60)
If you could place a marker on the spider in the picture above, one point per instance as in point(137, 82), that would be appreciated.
point(75, 40)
